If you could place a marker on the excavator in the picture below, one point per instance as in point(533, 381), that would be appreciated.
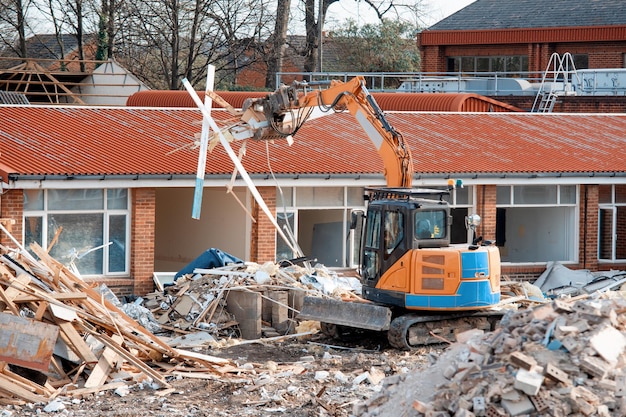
point(416, 286)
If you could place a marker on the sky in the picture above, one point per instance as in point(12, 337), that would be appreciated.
point(434, 10)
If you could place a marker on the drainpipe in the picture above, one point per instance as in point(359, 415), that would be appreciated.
point(585, 230)
point(482, 210)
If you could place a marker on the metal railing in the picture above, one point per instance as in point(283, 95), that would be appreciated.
point(604, 82)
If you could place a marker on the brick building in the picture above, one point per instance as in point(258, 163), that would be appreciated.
point(549, 187)
point(510, 36)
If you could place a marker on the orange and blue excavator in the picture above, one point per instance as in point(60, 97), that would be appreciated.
point(416, 286)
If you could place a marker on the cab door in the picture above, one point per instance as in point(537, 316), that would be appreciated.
point(386, 241)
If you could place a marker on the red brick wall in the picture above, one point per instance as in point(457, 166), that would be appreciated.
point(253, 76)
point(142, 239)
point(522, 273)
point(263, 244)
point(588, 226)
point(572, 104)
point(486, 207)
point(12, 207)
point(601, 54)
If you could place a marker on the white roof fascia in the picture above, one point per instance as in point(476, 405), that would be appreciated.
point(369, 181)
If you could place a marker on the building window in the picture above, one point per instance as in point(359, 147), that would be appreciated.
point(612, 223)
point(319, 218)
point(581, 61)
point(84, 227)
point(286, 222)
point(537, 223)
point(469, 64)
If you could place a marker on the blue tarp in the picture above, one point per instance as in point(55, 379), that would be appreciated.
point(211, 258)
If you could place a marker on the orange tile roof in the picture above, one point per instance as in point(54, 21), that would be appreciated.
point(88, 141)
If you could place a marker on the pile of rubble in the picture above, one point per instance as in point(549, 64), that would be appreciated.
point(62, 338)
point(561, 358)
point(240, 300)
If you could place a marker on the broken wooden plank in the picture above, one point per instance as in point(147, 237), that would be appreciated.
point(138, 363)
point(97, 304)
point(92, 390)
point(12, 292)
point(201, 357)
point(62, 296)
point(76, 342)
point(16, 390)
point(63, 313)
point(106, 363)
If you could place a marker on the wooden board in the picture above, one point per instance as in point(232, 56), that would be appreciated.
point(25, 342)
point(106, 363)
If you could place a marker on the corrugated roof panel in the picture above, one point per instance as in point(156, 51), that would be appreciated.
point(387, 101)
point(174, 98)
point(137, 141)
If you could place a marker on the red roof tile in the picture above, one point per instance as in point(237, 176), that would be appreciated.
point(74, 141)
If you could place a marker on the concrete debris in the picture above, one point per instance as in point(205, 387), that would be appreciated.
point(562, 358)
point(241, 300)
point(558, 280)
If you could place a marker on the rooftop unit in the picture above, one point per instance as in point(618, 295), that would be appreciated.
point(485, 86)
point(602, 82)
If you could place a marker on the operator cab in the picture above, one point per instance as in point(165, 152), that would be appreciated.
point(399, 220)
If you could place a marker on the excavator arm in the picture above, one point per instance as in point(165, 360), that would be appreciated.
point(284, 111)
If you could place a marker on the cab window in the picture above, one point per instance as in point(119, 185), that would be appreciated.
point(394, 230)
point(430, 224)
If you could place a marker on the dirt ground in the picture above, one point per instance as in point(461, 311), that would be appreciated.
point(313, 377)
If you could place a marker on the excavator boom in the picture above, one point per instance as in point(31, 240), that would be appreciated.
point(284, 111)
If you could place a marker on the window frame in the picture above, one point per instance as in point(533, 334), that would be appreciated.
point(43, 213)
point(559, 193)
point(613, 207)
point(291, 202)
point(470, 63)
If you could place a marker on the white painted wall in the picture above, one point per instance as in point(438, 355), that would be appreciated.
point(179, 239)
point(108, 85)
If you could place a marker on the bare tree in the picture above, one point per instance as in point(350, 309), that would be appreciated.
point(385, 47)
point(13, 26)
point(316, 11)
point(277, 42)
point(164, 41)
point(75, 17)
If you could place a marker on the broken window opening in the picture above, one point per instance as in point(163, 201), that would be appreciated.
point(88, 219)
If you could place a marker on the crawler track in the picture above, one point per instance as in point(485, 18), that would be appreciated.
point(410, 331)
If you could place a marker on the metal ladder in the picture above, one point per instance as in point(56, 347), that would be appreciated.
point(556, 81)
